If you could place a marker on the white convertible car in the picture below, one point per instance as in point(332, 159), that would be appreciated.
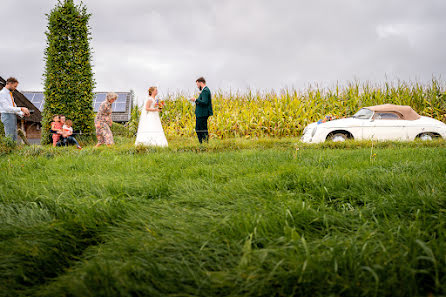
point(380, 122)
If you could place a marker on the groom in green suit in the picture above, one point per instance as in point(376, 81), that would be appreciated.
point(203, 110)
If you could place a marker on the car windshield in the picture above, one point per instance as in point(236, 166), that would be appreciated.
point(364, 113)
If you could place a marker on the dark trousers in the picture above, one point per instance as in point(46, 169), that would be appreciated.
point(72, 140)
point(64, 141)
point(201, 127)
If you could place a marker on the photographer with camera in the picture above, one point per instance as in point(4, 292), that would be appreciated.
point(9, 109)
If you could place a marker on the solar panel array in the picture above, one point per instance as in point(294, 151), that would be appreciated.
point(36, 98)
point(119, 105)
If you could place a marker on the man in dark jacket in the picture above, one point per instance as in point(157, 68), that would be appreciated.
point(203, 110)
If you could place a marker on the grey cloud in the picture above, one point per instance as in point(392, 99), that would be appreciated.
point(238, 44)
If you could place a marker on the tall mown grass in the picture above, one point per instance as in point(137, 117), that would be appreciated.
point(286, 113)
point(270, 220)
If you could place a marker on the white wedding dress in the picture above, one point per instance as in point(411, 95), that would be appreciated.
point(150, 130)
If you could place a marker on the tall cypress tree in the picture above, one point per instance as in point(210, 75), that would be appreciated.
point(68, 75)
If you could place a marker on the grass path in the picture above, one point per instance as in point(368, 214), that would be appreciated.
point(218, 221)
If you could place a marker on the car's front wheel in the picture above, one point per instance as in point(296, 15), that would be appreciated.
point(337, 137)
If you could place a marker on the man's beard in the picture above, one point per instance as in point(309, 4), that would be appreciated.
point(200, 88)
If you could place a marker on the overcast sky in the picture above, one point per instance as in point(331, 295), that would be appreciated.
point(237, 44)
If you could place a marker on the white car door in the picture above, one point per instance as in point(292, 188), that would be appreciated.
point(361, 126)
point(388, 126)
point(368, 129)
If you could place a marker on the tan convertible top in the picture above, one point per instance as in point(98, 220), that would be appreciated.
point(405, 111)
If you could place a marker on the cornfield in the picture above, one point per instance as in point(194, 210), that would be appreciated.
point(286, 113)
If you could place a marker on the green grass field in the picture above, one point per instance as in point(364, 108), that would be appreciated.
point(233, 218)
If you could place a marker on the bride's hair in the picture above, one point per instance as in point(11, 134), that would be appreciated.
point(151, 89)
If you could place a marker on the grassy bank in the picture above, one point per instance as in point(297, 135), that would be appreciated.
point(234, 218)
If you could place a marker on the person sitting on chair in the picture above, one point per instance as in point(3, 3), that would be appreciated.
point(62, 140)
point(56, 129)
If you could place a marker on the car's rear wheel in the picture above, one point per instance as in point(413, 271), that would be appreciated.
point(428, 136)
point(337, 137)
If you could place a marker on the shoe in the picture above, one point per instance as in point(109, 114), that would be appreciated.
point(79, 147)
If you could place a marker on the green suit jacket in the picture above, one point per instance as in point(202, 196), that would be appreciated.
point(204, 104)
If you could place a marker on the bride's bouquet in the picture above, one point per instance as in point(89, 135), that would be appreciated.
point(159, 104)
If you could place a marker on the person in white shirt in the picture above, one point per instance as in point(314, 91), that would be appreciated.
point(9, 109)
point(67, 134)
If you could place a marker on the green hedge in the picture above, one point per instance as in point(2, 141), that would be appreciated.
point(68, 75)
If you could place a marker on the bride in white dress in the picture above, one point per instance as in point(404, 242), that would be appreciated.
point(150, 130)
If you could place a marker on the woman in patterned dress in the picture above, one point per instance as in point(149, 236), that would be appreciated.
point(103, 121)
